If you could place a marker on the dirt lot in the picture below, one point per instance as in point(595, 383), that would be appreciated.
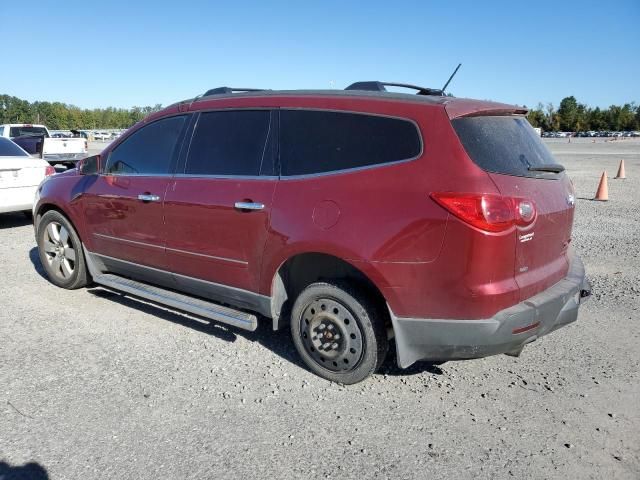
point(95, 385)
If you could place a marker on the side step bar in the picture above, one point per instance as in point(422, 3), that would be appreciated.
point(197, 306)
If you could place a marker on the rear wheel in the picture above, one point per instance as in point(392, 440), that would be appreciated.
point(339, 332)
point(61, 252)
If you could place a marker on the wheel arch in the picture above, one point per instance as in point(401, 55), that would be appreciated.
point(45, 207)
point(303, 268)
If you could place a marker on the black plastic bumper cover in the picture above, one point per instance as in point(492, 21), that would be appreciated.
point(442, 339)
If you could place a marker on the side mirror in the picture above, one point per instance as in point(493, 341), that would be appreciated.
point(89, 165)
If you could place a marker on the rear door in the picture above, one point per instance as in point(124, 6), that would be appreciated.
point(515, 158)
point(218, 207)
point(124, 206)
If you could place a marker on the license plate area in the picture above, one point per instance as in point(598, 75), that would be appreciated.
point(9, 177)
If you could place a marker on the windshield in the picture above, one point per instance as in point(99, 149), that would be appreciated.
point(19, 131)
point(504, 144)
point(10, 149)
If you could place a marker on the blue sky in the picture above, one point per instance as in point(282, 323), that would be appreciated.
point(118, 53)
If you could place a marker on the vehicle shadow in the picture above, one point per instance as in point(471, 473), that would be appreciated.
point(278, 342)
point(390, 366)
point(13, 220)
point(29, 471)
point(34, 256)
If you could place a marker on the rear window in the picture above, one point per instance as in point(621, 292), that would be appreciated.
point(10, 149)
point(507, 145)
point(319, 141)
point(19, 131)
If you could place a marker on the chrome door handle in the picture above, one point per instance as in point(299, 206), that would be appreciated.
point(147, 197)
point(249, 206)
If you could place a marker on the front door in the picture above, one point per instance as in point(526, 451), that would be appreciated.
point(124, 206)
point(217, 209)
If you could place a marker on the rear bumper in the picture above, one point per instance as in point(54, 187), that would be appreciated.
point(506, 332)
point(64, 157)
point(16, 199)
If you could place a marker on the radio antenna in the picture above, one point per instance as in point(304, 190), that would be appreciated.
point(450, 78)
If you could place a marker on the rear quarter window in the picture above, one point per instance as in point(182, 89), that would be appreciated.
point(502, 144)
point(313, 142)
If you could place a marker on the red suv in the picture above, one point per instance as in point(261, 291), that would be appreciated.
point(353, 216)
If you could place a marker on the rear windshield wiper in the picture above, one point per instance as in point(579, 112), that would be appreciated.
point(554, 168)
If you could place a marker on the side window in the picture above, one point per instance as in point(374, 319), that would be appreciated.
point(149, 151)
point(230, 143)
point(319, 141)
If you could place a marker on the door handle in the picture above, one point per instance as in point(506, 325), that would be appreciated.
point(147, 197)
point(249, 206)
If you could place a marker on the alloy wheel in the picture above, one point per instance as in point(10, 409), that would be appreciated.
point(59, 250)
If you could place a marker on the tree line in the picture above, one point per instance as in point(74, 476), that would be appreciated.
point(572, 116)
point(62, 116)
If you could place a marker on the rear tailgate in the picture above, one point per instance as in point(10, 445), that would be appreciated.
point(512, 154)
point(61, 146)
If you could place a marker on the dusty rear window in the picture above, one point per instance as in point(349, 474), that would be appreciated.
point(501, 144)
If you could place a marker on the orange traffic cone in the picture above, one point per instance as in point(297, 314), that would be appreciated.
point(621, 170)
point(603, 189)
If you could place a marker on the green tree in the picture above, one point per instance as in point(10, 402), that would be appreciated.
point(568, 114)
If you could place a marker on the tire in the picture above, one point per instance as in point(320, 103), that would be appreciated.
point(60, 251)
point(339, 332)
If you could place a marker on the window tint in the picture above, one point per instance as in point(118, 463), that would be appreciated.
point(230, 143)
point(500, 144)
point(148, 151)
point(317, 141)
point(10, 149)
point(27, 130)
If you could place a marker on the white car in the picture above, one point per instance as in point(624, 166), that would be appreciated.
point(20, 176)
point(101, 136)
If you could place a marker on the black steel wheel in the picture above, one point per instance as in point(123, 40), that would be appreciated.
point(339, 332)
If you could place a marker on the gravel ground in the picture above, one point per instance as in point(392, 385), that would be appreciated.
point(96, 385)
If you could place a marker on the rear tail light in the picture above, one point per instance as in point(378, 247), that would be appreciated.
point(49, 170)
point(86, 145)
point(488, 212)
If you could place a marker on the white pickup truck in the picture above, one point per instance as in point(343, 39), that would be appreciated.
point(36, 140)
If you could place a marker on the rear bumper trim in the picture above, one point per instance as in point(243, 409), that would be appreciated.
point(507, 331)
point(64, 157)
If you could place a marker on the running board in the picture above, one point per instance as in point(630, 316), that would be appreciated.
point(197, 306)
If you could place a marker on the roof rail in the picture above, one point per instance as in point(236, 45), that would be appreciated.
point(376, 86)
point(227, 90)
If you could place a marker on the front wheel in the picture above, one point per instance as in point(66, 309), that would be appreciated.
point(339, 332)
point(61, 252)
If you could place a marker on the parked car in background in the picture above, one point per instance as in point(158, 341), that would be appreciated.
point(20, 175)
point(101, 135)
point(348, 216)
point(36, 140)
